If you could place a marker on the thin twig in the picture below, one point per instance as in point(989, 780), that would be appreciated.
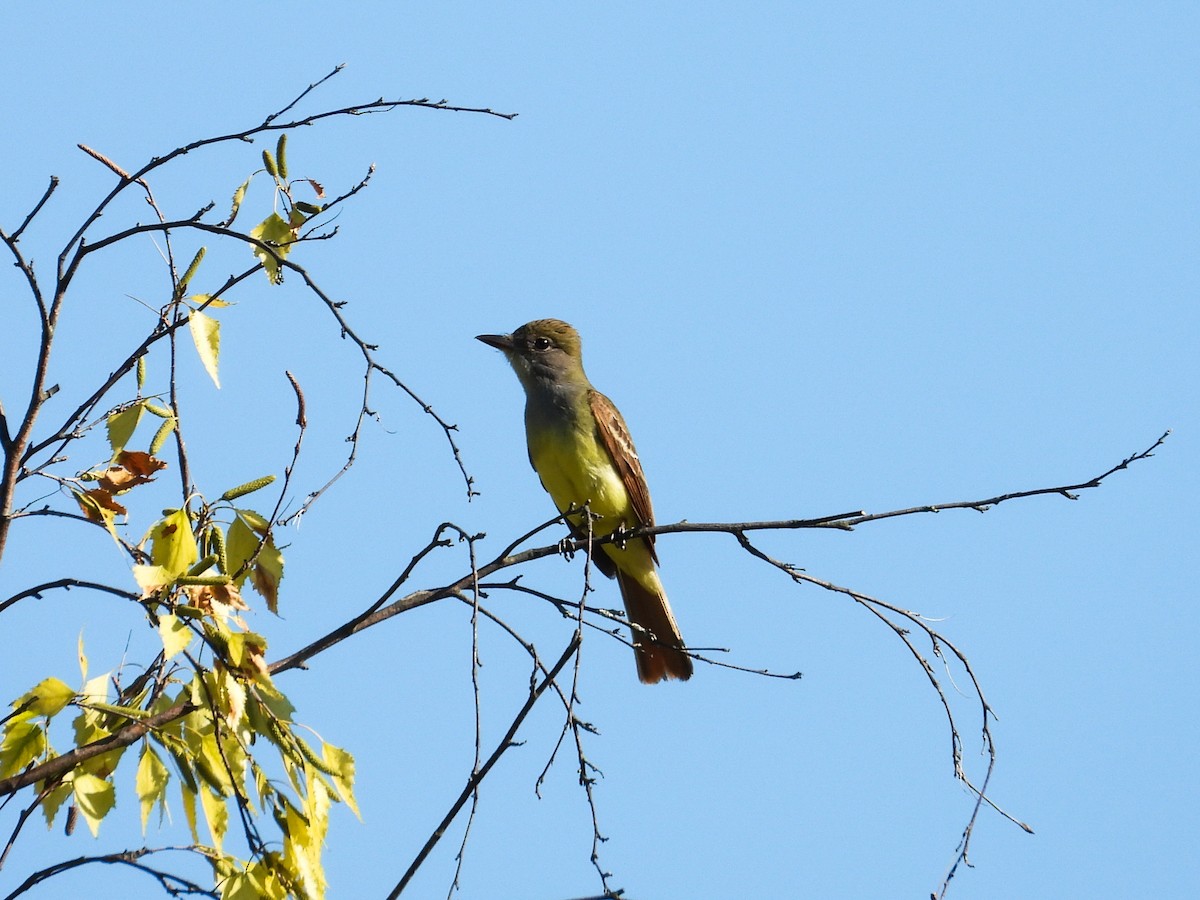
point(172, 884)
point(66, 584)
point(50, 188)
point(478, 776)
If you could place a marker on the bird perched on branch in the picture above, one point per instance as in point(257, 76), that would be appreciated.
point(581, 450)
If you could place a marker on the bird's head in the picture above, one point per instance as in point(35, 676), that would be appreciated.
point(542, 351)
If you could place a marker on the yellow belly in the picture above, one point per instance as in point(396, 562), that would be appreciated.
point(584, 475)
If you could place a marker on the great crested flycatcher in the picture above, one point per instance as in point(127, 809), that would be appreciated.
point(581, 450)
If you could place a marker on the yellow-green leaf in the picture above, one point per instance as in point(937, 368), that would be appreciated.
point(206, 335)
point(267, 573)
point(267, 569)
point(46, 699)
point(24, 741)
point(83, 663)
point(94, 797)
point(239, 886)
point(216, 813)
point(297, 845)
point(151, 579)
point(240, 544)
point(175, 635)
point(341, 764)
point(173, 546)
point(54, 800)
point(275, 231)
point(206, 756)
point(187, 793)
point(208, 301)
point(254, 520)
point(231, 693)
point(151, 784)
point(95, 690)
point(121, 426)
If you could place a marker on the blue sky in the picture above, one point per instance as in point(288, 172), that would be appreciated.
point(824, 257)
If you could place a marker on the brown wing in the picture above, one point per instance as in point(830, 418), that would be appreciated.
point(614, 434)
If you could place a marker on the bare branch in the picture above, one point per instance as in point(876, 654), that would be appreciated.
point(60, 765)
point(304, 93)
point(477, 776)
point(172, 884)
point(65, 584)
point(16, 235)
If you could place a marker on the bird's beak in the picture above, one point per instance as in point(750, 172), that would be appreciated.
point(499, 341)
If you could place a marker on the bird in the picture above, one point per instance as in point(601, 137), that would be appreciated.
point(581, 449)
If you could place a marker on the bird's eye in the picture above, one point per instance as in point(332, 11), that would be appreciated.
point(541, 343)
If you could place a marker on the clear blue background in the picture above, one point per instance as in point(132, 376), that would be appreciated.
point(824, 256)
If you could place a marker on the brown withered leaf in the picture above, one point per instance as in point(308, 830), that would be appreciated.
point(203, 596)
point(132, 467)
point(139, 462)
point(96, 502)
point(256, 659)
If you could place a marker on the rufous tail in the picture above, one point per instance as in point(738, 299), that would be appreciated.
point(657, 643)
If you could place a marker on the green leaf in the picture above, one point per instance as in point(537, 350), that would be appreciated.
point(206, 335)
point(121, 426)
point(175, 634)
point(341, 764)
point(216, 813)
point(94, 797)
point(151, 784)
point(24, 741)
point(173, 546)
point(275, 231)
point(47, 698)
